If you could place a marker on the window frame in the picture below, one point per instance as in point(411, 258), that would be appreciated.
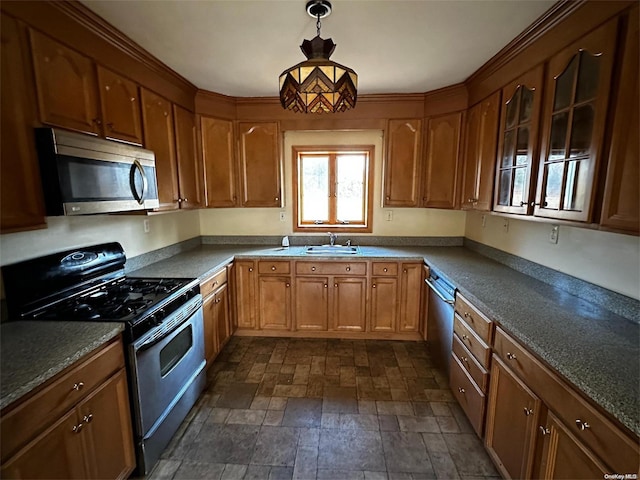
point(369, 150)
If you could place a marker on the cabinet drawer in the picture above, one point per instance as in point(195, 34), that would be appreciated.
point(331, 268)
point(617, 450)
point(213, 282)
point(274, 267)
point(380, 269)
point(472, 341)
point(474, 318)
point(38, 412)
point(469, 396)
point(479, 374)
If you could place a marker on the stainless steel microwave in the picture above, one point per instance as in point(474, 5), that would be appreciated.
point(82, 174)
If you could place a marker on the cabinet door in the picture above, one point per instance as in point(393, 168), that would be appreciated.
point(188, 172)
point(120, 102)
point(563, 456)
point(576, 99)
point(274, 296)
point(222, 321)
point(260, 169)
point(157, 116)
point(441, 162)
point(349, 304)
point(231, 275)
point(312, 303)
point(209, 322)
point(480, 154)
point(219, 162)
point(245, 292)
point(410, 289)
point(384, 304)
point(424, 304)
point(107, 431)
point(56, 453)
point(66, 85)
point(512, 420)
point(517, 145)
point(621, 206)
point(21, 204)
point(402, 163)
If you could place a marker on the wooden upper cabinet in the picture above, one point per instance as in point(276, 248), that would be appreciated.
point(120, 102)
point(480, 154)
point(66, 85)
point(157, 116)
point(402, 163)
point(260, 169)
point(575, 108)
point(621, 205)
point(188, 172)
point(518, 144)
point(441, 161)
point(21, 203)
point(219, 162)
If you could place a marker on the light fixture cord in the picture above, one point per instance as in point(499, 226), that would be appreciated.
point(318, 25)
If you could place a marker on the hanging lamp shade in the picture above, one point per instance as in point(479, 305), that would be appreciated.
point(318, 85)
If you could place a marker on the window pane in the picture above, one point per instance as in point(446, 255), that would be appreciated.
point(522, 147)
point(505, 187)
point(526, 107)
point(574, 195)
point(512, 108)
point(558, 136)
point(518, 186)
point(350, 178)
point(588, 77)
point(551, 197)
point(581, 130)
point(507, 154)
point(564, 86)
point(314, 173)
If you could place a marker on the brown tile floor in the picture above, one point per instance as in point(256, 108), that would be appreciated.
point(280, 408)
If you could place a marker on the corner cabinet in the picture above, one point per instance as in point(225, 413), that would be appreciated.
point(402, 163)
point(480, 154)
point(219, 162)
point(260, 168)
point(21, 202)
point(518, 144)
point(190, 186)
point(577, 92)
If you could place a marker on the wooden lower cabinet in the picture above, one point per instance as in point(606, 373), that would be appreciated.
point(217, 322)
point(410, 291)
point(349, 304)
point(245, 293)
point(274, 302)
point(312, 303)
point(512, 422)
point(384, 304)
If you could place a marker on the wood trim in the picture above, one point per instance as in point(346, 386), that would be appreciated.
point(446, 100)
point(216, 105)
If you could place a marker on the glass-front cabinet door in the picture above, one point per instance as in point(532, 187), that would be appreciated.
point(518, 146)
point(575, 108)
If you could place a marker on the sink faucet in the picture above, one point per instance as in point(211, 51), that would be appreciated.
point(332, 238)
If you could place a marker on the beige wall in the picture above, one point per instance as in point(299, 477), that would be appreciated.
point(69, 232)
point(607, 259)
point(408, 222)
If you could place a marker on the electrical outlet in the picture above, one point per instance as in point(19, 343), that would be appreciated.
point(553, 236)
point(146, 225)
point(484, 221)
point(283, 216)
point(389, 215)
point(505, 225)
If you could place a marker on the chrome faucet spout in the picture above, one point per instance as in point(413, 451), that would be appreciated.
point(332, 238)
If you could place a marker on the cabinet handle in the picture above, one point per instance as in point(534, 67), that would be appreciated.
point(511, 356)
point(527, 411)
point(461, 390)
point(582, 425)
point(522, 204)
point(273, 269)
point(87, 418)
point(78, 386)
point(313, 269)
point(77, 428)
point(544, 430)
point(541, 204)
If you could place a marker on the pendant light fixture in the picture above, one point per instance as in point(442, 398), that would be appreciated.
point(318, 85)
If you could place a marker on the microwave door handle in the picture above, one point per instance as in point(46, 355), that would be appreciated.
point(145, 183)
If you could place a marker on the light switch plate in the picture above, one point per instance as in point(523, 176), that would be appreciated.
point(146, 225)
point(389, 215)
point(555, 231)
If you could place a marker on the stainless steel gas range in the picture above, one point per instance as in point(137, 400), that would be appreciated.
point(163, 329)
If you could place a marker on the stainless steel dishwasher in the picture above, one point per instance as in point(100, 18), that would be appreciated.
point(440, 319)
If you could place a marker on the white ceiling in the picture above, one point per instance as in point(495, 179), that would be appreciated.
point(240, 47)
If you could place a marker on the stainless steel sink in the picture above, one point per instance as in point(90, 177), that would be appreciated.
point(332, 250)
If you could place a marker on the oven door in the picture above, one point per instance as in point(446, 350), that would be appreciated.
point(164, 365)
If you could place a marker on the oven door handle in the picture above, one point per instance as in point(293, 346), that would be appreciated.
point(437, 292)
point(155, 340)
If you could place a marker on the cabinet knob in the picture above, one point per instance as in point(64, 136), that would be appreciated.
point(582, 425)
point(251, 269)
point(373, 286)
point(464, 359)
point(388, 197)
point(313, 269)
point(544, 430)
point(335, 285)
point(522, 204)
point(273, 269)
point(511, 356)
point(78, 386)
point(287, 285)
point(326, 286)
point(384, 270)
point(87, 418)
point(461, 390)
point(348, 269)
point(404, 270)
point(527, 411)
point(77, 428)
point(277, 198)
point(464, 337)
point(133, 99)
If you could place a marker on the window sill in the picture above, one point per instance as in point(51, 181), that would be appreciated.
point(334, 228)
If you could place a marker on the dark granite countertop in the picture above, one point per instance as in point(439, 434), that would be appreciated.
point(593, 348)
point(33, 352)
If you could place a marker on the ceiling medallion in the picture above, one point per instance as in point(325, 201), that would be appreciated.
point(318, 85)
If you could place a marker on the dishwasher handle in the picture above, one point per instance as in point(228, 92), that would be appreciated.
point(437, 292)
